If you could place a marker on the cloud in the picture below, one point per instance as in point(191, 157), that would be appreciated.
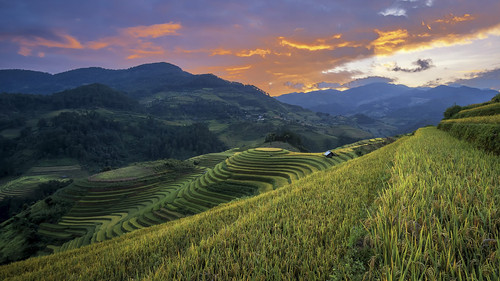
point(136, 41)
point(317, 43)
point(394, 11)
point(153, 31)
point(422, 64)
point(312, 47)
point(238, 68)
point(452, 19)
point(489, 79)
point(220, 52)
point(249, 53)
point(297, 86)
point(326, 85)
point(367, 80)
point(59, 40)
point(389, 41)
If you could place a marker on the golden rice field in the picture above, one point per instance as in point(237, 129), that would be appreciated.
point(112, 203)
point(423, 207)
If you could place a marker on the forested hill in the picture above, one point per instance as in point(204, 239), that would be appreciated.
point(89, 96)
point(141, 80)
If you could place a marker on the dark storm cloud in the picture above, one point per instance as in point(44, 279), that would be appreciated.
point(422, 64)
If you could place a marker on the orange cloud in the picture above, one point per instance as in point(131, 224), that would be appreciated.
point(249, 53)
point(317, 47)
point(97, 45)
point(27, 44)
point(153, 31)
point(144, 53)
point(452, 19)
point(240, 68)
point(24, 51)
point(220, 52)
point(389, 41)
point(329, 43)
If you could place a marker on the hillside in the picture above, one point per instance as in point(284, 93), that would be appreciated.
point(231, 115)
point(115, 202)
point(394, 109)
point(476, 123)
point(373, 216)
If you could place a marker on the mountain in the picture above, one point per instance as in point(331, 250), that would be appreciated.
point(139, 79)
point(483, 80)
point(152, 105)
point(402, 108)
point(167, 92)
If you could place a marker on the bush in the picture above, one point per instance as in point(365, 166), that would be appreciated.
point(450, 111)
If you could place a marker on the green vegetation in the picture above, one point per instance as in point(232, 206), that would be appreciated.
point(438, 219)
point(99, 141)
point(15, 195)
point(422, 207)
point(477, 123)
point(19, 237)
point(100, 127)
point(115, 202)
point(292, 232)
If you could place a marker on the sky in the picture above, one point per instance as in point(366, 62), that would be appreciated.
point(281, 46)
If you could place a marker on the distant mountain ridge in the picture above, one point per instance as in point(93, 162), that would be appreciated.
point(131, 80)
point(397, 105)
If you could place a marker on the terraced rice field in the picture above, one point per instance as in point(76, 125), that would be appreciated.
point(478, 124)
point(26, 184)
point(106, 209)
point(116, 202)
point(23, 186)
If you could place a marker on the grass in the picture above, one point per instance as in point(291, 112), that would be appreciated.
point(478, 124)
point(124, 174)
point(116, 202)
point(438, 219)
point(491, 119)
point(423, 207)
point(294, 232)
point(489, 108)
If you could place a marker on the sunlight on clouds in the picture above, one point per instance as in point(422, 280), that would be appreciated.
point(239, 68)
point(285, 42)
point(97, 45)
point(451, 62)
point(220, 52)
point(249, 53)
point(389, 41)
point(451, 19)
point(330, 43)
point(26, 44)
point(153, 31)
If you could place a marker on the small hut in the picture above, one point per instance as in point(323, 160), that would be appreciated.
point(328, 154)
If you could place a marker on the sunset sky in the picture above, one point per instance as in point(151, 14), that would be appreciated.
point(280, 46)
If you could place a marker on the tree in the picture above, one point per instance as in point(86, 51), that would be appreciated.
point(452, 110)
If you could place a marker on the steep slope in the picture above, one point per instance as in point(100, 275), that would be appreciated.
point(112, 203)
point(373, 217)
